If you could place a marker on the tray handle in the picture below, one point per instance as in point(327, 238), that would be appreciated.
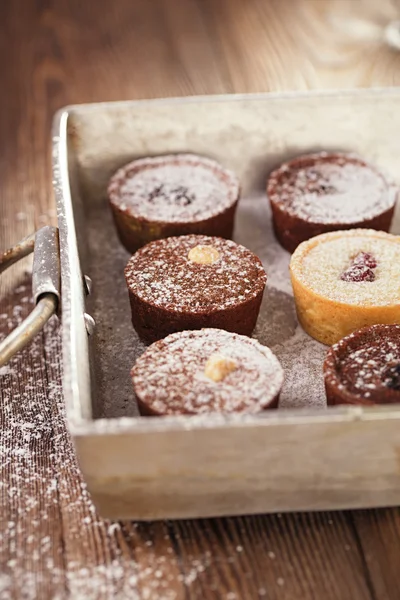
point(45, 286)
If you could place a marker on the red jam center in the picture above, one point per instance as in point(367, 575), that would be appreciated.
point(361, 268)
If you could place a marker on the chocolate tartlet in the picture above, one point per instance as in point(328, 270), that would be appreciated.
point(206, 371)
point(191, 282)
point(345, 280)
point(154, 198)
point(317, 193)
point(364, 367)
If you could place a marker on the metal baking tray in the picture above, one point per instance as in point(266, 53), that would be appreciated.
point(300, 457)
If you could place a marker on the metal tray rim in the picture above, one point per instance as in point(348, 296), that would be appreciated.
point(268, 96)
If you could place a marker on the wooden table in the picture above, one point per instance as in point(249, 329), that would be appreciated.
point(53, 543)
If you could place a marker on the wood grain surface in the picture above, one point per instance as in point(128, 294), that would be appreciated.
point(53, 52)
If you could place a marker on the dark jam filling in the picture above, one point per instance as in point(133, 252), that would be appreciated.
point(317, 184)
point(391, 377)
point(178, 196)
point(361, 268)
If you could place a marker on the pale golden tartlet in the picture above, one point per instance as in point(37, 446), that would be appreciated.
point(337, 293)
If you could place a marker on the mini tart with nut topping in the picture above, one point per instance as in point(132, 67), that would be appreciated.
point(364, 367)
point(191, 282)
point(321, 192)
point(345, 280)
point(162, 196)
point(206, 371)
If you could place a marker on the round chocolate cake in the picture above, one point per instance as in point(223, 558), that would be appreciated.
point(194, 281)
point(162, 196)
point(364, 367)
point(206, 371)
point(317, 193)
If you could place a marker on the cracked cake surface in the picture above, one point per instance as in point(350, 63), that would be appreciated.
point(177, 194)
point(174, 188)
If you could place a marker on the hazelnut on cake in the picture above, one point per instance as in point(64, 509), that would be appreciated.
point(317, 193)
point(206, 371)
point(191, 282)
point(345, 280)
point(364, 367)
point(162, 196)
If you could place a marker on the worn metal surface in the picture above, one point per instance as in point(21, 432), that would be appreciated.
point(46, 264)
point(192, 467)
point(45, 286)
point(12, 255)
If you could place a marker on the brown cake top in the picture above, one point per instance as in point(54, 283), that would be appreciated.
point(195, 274)
point(366, 365)
point(177, 188)
point(325, 188)
point(358, 266)
point(209, 370)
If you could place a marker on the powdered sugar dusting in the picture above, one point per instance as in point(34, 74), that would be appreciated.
point(53, 542)
point(371, 364)
point(162, 274)
point(331, 189)
point(46, 510)
point(118, 347)
point(174, 189)
point(367, 363)
point(321, 265)
point(302, 359)
point(170, 376)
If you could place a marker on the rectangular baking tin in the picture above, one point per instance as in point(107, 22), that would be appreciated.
point(152, 468)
